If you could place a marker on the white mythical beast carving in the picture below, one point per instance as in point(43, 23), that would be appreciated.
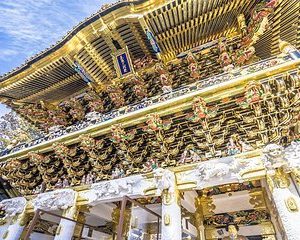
point(58, 199)
point(164, 180)
point(13, 206)
point(273, 157)
point(292, 155)
point(113, 188)
point(208, 170)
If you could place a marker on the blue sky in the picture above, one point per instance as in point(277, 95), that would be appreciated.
point(29, 26)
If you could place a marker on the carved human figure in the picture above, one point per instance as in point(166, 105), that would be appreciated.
point(233, 230)
point(150, 165)
point(83, 179)
point(193, 66)
point(89, 179)
point(118, 173)
point(165, 77)
point(58, 184)
point(189, 155)
point(65, 183)
point(237, 145)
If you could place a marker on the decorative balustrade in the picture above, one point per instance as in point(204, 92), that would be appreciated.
point(94, 118)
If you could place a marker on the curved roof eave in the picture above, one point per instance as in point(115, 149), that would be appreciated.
point(67, 37)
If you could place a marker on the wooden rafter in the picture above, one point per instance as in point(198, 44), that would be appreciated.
point(53, 88)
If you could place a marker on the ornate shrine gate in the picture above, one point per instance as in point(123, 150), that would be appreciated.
point(277, 169)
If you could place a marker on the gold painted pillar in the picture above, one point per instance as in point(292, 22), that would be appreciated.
point(199, 219)
point(79, 227)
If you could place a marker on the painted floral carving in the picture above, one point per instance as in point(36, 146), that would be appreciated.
point(246, 217)
point(139, 87)
point(116, 95)
point(36, 158)
point(225, 55)
point(201, 111)
point(61, 150)
point(119, 134)
point(87, 143)
point(158, 127)
point(155, 123)
point(253, 94)
point(122, 141)
point(245, 52)
point(95, 103)
point(76, 110)
point(258, 21)
point(57, 117)
point(143, 62)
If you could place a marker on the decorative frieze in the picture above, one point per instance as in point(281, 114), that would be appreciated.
point(58, 199)
point(117, 188)
point(220, 171)
point(13, 206)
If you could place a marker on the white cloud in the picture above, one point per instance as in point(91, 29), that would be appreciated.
point(29, 26)
point(3, 110)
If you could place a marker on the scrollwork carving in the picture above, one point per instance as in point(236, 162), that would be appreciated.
point(13, 206)
point(58, 199)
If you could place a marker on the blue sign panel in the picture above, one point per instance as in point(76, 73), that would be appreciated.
point(152, 41)
point(123, 64)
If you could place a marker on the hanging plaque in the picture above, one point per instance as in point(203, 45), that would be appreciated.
point(122, 61)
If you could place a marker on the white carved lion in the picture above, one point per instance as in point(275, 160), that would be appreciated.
point(208, 170)
point(58, 199)
point(164, 180)
point(13, 206)
point(114, 188)
point(273, 156)
point(292, 155)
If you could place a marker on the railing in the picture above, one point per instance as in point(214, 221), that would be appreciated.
point(96, 118)
point(120, 232)
point(37, 216)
